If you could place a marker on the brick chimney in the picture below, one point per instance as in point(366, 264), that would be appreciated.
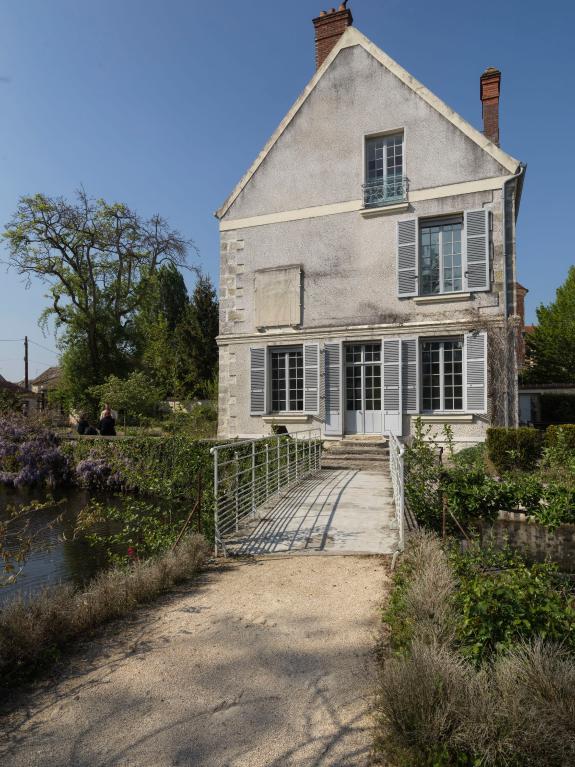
point(329, 27)
point(490, 83)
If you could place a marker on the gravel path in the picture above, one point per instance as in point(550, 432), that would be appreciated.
point(266, 662)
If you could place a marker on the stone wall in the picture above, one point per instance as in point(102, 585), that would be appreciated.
point(535, 541)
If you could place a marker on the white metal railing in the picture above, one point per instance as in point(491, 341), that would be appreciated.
point(396, 466)
point(380, 191)
point(249, 472)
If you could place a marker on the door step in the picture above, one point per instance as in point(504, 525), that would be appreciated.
point(381, 467)
point(357, 449)
point(367, 454)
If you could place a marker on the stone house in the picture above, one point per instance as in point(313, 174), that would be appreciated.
point(368, 270)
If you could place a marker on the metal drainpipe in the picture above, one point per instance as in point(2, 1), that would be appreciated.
point(516, 176)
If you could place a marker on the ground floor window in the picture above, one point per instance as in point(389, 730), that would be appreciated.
point(442, 375)
point(287, 380)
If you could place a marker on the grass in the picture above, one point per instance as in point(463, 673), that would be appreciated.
point(33, 631)
point(435, 708)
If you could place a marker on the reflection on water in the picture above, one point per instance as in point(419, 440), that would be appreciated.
point(56, 556)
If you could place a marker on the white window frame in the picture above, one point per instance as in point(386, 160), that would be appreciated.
point(285, 349)
point(424, 223)
point(388, 134)
point(442, 410)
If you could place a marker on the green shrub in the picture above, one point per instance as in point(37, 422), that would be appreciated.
point(423, 477)
point(510, 449)
point(471, 456)
point(500, 600)
point(561, 436)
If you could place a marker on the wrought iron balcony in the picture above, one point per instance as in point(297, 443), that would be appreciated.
point(385, 191)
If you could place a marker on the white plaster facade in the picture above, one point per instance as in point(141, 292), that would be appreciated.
point(299, 210)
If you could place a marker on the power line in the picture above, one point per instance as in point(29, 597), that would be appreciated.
point(11, 340)
point(45, 348)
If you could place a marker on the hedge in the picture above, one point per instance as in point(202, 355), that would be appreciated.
point(564, 433)
point(510, 449)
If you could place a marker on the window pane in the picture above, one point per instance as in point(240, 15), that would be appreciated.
point(374, 153)
point(431, 375)
point(451, 252)
point(430, 260)
point(287, 380)
point(384, 158)
point(453, 375)
point(440, 258)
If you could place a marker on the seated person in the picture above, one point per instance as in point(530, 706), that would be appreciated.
point(107, 424)
point(83, 424)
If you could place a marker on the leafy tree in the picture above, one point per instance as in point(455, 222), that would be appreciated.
point(198, 335)
point(163, 309)
point(135, 395)
point(97, 260)
point(551, 347)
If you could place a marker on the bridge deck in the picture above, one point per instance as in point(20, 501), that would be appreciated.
point(333, 511)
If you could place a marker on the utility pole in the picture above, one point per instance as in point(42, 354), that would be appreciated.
point(26, 362)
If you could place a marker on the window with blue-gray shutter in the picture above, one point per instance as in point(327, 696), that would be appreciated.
point(410, 374)
point(476, 372)
point(258, 382)
point(477, 249)
point(407, 248)
point(333, 392)
point(311, 377)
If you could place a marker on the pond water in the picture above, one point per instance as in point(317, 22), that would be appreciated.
point(56, 555)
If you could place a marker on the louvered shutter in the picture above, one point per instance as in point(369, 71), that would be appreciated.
point(258, 383)
point(410, 374)
point(333, 391)
point(476, 372)
point(311, 378)
point(407, 250)
point(391, 369)
point(477, 249)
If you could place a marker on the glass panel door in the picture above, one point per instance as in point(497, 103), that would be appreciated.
point(363, 389)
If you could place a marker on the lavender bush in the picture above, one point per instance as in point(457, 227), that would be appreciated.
point(30, 454)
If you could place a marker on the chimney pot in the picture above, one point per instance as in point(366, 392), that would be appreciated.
point(490, 87)
point(329, 27)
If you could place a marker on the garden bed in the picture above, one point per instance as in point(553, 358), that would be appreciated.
point(477, 667)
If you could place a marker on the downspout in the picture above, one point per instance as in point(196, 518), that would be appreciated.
point(517, 177)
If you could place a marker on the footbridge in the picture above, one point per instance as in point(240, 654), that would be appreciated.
point(274, 495)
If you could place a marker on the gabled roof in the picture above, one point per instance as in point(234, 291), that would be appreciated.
point(50, 374)
point(351, 37)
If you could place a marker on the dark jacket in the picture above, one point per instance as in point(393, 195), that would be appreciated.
point(107, 426)
point(82, 426)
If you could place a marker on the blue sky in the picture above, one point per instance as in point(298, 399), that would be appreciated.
point(164, 104)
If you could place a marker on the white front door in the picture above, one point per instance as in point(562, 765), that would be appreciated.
point(363, 389)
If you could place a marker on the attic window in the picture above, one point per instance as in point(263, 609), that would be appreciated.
point(384, 168)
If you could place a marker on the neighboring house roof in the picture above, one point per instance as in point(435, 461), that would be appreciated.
point(529, 329)
point(352, 37)
point(13, 387)
point(51, 375)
